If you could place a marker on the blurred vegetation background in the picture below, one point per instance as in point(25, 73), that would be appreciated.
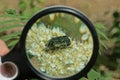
point(105, 15)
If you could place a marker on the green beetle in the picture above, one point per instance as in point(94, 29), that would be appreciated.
point(59, 42)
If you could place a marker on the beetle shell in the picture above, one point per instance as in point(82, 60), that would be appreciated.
point(58, 43)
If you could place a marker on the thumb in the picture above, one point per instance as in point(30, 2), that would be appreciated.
point(3, 48)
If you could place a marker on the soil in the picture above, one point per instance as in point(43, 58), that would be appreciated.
point(96, 10)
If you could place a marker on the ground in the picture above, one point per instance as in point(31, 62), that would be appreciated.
point(96, 10)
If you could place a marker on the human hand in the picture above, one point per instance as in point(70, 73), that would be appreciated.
point(8, 70)
point(3, 48)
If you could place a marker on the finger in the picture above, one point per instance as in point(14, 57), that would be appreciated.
point(3, 48)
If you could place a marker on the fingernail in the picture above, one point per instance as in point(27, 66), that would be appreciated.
point(9, 70)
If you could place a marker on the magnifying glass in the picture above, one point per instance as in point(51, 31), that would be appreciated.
point(58, 43)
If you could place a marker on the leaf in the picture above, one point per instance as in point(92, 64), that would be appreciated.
point(116, 14)
point(12, 21)
point(13, 16)
point(103, 44)
point(101, 34)
point(41, 1)
point(2, 29)
point(83, 79)
point(10, 36)
point(100, 51)
point(99, 26)
point(93, 75)
point(11, 11)
point(28, 12)
point(23, 4)
point(115, 31)
point(12, 43)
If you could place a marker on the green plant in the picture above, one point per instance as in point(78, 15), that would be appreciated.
point(11, 25)
point(11, 19)
point(115, 37)
point(115, 33)
point(28, 7)
point(100, 28)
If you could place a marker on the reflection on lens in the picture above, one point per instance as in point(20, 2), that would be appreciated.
point(9, 70)
point(59, 45)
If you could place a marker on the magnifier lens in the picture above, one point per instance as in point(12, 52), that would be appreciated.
point(59, 45)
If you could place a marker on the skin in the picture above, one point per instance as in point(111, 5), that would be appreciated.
point(3, 48)
point(4, 69)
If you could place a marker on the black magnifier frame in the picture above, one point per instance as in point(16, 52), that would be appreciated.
point(21, 44)
point(57, 9)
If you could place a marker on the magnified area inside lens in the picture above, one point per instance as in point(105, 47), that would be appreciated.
point(59, 45)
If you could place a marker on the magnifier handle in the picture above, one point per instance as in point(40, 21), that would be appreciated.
point(16, 56)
